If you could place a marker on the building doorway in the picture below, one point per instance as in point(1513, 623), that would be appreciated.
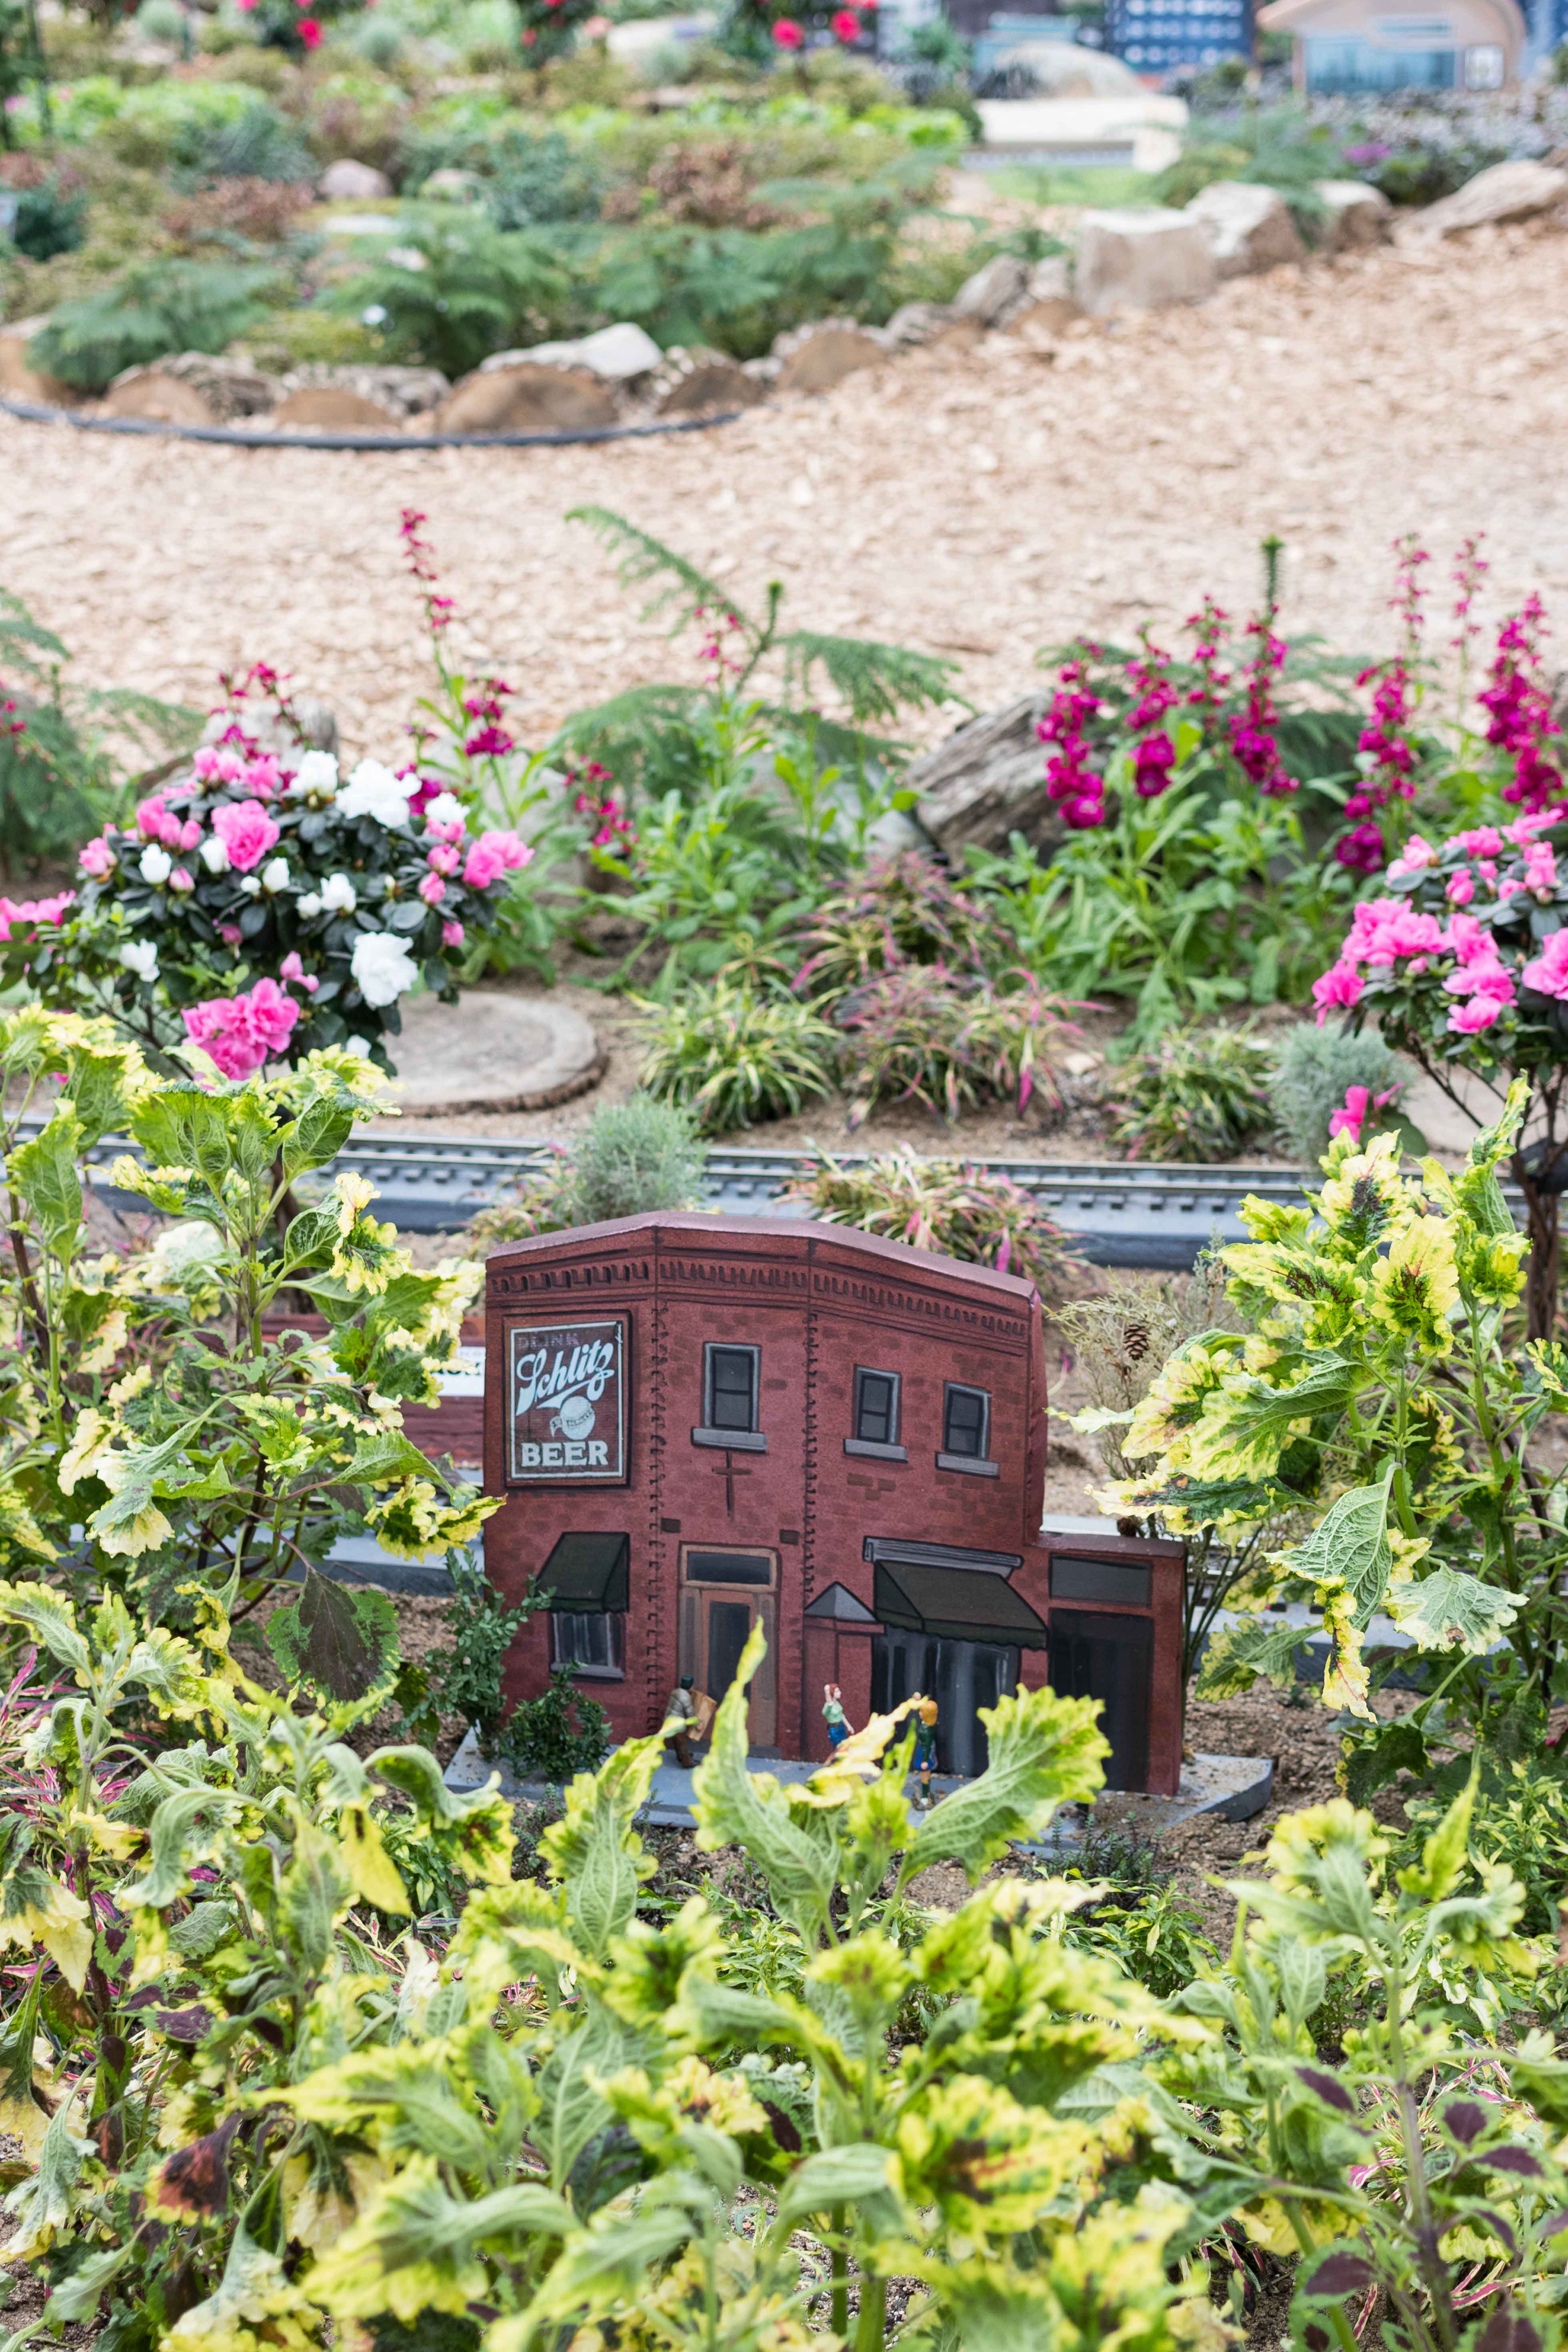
point(724, 1591)
point(961, 1676)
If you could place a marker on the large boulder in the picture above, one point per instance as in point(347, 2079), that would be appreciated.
point(1141, 256)
point(621, 355)
point(1507, 192)
point(19, 380)
point(815, 358)
point(333, 408)
point(529, 398)
point(987, 780)
point(402, 392)
point(231, 387)
point(994, 292)
point(348, 183)
point(1247, 228)
point(1050, 304)
point(696, 382)
point(158, 397)
point(1354, 215)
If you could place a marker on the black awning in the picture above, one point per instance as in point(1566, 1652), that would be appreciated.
point(955, 1604)
point(585, 1573)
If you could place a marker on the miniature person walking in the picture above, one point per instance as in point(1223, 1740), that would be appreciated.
point(833, 1714)
point(925, 1750)
point(682, 1709)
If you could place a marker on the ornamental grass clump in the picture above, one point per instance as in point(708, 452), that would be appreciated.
point(1203, 1095)
point(919, 1032)
point(631, 1158)
point(732, 1056)
point(950, 1207)
point(904, 910)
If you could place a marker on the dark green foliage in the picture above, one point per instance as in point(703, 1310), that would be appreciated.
point(1201, 1095)
point(561, 1732)
point(1422, 171)
point(50, 219)
point(481, 289)
point(259, 146)
point(1137, 1917)
point(465, 1679)
point(154, 308)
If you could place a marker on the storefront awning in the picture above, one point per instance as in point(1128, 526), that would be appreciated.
point(587, 1573)
point(955, 1604)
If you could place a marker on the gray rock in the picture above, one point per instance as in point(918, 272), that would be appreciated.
point(1247, 228)
point(691, 383)
point(617, 354)
point(1139, 257)
point(230, 386)
point(348, 183)
point(1507, 192)
point(988, 780)
point(764, 371)
point(816, 357)
point(1049, 303)
point(920, 322)
point(994, 292)
point(1355, 215)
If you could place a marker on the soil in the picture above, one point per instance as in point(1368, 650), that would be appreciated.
point(979, 503)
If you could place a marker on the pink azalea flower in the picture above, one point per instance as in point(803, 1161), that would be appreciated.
point(445, 858)
point(229, 934)
point(97, 859)
point(1411, 859)
point(179, 880)
point(432, 889)
point(451, 935)
point(1548, 972)
point(1469, 1020)
point(494, 854)
point(241, 1032)
point(32, 911)
point(1541, 868)
point(154, 822)
point(787, 33)
point(247, 832)
point(1342, 986)
point(292, 968)
point(1481, 841)
point(1461, 888)
point(1353, 1117)
point(845, 24)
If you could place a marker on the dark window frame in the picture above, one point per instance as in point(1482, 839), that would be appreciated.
point(712, 1350)
point(891, 1435)
point(563, 1633)
point(980, 1453)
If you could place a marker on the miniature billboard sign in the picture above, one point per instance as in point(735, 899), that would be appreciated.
point(568, 1398)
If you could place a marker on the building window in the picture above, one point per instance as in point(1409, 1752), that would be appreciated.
point(731, 1382)
point(876, 1408)
point(964, 1415)
point(588, 1640)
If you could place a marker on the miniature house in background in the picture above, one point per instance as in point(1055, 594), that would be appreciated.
point(701, 1421)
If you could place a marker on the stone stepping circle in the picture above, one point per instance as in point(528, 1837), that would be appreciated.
point(493, 1051)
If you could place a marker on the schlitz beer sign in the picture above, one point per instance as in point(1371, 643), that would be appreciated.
point(568, 1391)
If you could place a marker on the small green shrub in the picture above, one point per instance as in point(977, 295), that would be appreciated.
point(155, 307)
point(561, 1732)
point(631, 1158)
point(921, 1032)
point(480, 290)
point(1201, 1095)
point(304, 338)
point(732, 1056)
point(1314, 1070)
point(464, 1678)
point(959, 1211)
point(256, 146)
point(50, 218)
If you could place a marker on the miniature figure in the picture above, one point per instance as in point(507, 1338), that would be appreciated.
point(682, 1709)
point(833, 1714)
point(925, 1750)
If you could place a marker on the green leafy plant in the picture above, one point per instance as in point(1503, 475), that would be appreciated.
point(464, 1677)
point(563, 1731)
point(51, 217)
point(1273, 147)
point(153, 308)
point(1132, 1914)
point(903, 909)
point(730, 1055)
point(476, 289)
point(1314, 1070)
point(1202, 1094)
point(946, 1205)
point(918, 1033)
point(631, 1158)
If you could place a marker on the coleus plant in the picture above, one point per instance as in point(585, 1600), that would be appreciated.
point(1372, 1388)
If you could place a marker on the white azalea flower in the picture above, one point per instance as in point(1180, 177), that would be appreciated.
point(338, 895)
point(141, 956)
point(444, 809)
point(156, 863)
point(317, 776)
point(251, 884)
point(310, 905)
point(383, 968)
point(213, 854)
point(274, 874)
point(373, 791)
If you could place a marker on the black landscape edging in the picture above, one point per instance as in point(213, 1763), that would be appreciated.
point(231, 437)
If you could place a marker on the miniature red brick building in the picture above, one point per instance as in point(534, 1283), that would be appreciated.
point(698, 1421)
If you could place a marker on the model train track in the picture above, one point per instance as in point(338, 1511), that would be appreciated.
point(1120, 1214)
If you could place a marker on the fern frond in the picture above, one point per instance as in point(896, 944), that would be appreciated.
point(876, 680)
point(22, 638)
point(169, 724)
point(640, 557)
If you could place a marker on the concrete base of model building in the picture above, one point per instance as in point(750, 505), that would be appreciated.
point(1235, 1787)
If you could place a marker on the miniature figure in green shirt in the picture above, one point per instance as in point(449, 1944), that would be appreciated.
point(833, 1714)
